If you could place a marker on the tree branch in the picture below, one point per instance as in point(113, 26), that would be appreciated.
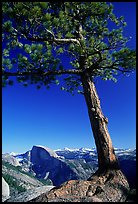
point(116, 68)
point(58, 72)
point(52, 40)
point(56, 40)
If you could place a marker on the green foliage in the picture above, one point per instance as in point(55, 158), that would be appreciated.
point(13, 183)
point(18, 169)
point(35, 38)
point(10, 166)
point(71, 164)
point(11, 180)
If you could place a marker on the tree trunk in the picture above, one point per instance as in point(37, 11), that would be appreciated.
point(105, 151)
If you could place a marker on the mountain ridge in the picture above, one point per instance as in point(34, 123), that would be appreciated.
point(62, 165)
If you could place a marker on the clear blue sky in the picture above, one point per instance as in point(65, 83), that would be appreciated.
point(56, 119)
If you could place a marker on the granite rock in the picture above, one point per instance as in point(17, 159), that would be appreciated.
point(5, 190)
point(10, 159)
point(109, 186)
point(30, 194)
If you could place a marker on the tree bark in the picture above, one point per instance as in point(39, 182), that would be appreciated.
point(106, 156)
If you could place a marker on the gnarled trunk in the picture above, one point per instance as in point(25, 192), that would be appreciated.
point(106, 155)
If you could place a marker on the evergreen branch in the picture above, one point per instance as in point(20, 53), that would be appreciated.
point(56, 40)
point(116, 68)
point(48, 73)
point(52, 40)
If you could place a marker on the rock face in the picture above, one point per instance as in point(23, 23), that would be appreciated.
point(43, 153)
point(110, 186)
point(45, 162)
point(5, 190)
point(128, 167)
point(12, 160)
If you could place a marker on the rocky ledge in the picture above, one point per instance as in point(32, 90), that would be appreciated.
point(109, 186)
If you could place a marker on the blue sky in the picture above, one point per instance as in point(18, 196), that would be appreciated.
point(56, 119)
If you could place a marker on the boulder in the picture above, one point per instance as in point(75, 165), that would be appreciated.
point(5, 190)
point(109, 186)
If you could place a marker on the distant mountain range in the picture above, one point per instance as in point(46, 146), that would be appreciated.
point(58, 166)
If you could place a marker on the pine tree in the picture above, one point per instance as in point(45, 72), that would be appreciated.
point(39, 36)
